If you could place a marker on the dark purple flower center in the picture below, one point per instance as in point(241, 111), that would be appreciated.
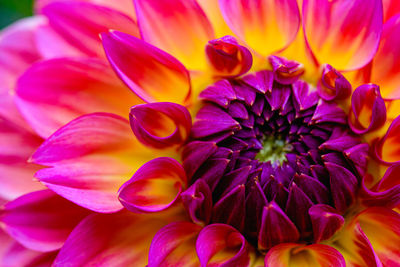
point(265, 153)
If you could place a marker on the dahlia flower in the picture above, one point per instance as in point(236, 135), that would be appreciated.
point(201, 133)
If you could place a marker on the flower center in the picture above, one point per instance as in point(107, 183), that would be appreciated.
point(272, 159)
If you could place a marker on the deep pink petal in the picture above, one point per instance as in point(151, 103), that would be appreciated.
point(179, 27)
point(41, 220)
point(154, 187)
point(89, 159)
point(333, 85)
point(148, 71)
point(387, 149)
point(343, 33)
point(51, 93)
point(326, 221)
point(390, 9)
point(266, 26)
point(175, 245)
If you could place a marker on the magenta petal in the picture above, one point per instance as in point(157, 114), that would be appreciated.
point(225, 241)
point(151, 73)
point(285, 71)
point(276, 228)
point(41, 220)
point(297, 207)
point(368, 109)
point(197, 200)
point(333, 85)
point(325, 221)
point(220, 93)
point(328, 112)
point(154, 187)
point(160, 125)
point(175, 245)
point(262, 81)
point(195, 154)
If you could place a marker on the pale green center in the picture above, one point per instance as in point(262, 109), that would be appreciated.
point(274, 150)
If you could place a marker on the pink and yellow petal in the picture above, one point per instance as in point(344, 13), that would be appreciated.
point(292, 255)
point(213, 13)
point(179, 27)
point(41, 220)
point(51, 93)
point(342, 33)
point(148, 71)
point(385, 67)
point(387, 149)
point(89, 159)
point(265, 26)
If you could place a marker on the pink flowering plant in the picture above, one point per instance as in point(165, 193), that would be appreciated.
point(201, 133)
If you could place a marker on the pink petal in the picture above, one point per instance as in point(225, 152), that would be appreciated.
point(160, 125)
point(333, 85)
point(120, 239)
point(154, 187)
point(290, 254)
point(343, 33)
point(390, 9)
point(387, 149)
point(222, 245)
point(68, 18)
point(51, 93)
point(368, 109)
point(267, 26)
point(16, 174)
point(175, 245)
point(41, 220)
point(89, 159)
point(385, 67)
point(148, 71)
point(179, 27)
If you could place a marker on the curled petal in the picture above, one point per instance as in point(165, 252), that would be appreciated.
point(67, 18)
point(385, 67)
point(387, 149)
point(154, 187)
point(290, 254)
point(41, 220)
point(368, 109)
point(148, 71)
point(222, 245)
point(333, 85)
point(179, 27)
point(286, 71)
point(89, 159)
point(227, 57)
point(266, 26)
point(50, 93)
point(276, 228)
point(120, 239)
point(197, 200)
point(325, 221)
point(345, 34)
point(160, 125)
point(175, 245)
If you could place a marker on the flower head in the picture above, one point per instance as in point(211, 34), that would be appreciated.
point(197, 133)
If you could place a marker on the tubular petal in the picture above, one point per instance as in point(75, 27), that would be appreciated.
point(325, 221)
point(51, 93)
point(286, 71)
point(292, 255)
point(175, 245)
point(41, 220)
point(387, 149)
point(148, 71)
point(197, 200)
point(343, 33)
point(267, 26)
point(385, 67)
point(120, 239)
point(89, 159)
point(16, 146)
point(180, 27)
point(333, 85)
point(68, 18)
point(160, 125)
point(154, 187)
point(368, 109)
point(223, 246)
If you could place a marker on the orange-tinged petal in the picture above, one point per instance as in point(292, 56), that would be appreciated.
point(151, 73)
point(214, 14)
point(343, 33)
point(267, 26)
point(154, 187)
point(180, 27)
point(293, 255)
point(175, 245)
point(385, 66)
point(390, 8)
point(387, 149)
